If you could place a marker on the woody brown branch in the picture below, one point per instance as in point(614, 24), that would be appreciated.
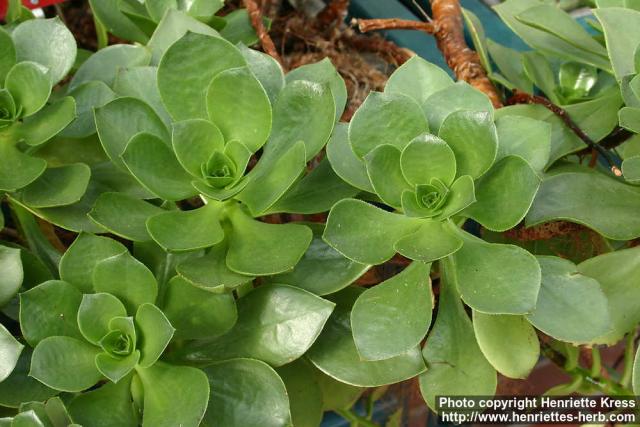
point(448, 30)
point(255, 15)
point(464, 61)
point(525, 98)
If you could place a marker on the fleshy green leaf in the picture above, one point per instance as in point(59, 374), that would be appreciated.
point(65, 364)
point(478, 35)
point(172, 26)
point(19, 387)
point(187, 68)
point(110, 15)
point(304, 111)
point(504, 194)
point(526, 138)
point(238, 104)
point(618, 273)
point(272, 177)
point(336, 394)
point(457, 97)
point(322, 270)
point(305, 394)
point(18, 169)
point(459, 368)
point(12, 273)
point(266, 331)
point(495, 278)
point(49, 309)
point(258, 248)
point(266, 69)
point(7, 54)
point(365, 233)
point(569, 196)
point(418, 79)
point(27, 419)
point(173, 395)
point(473, 138)
point(187, 230)
point(508, 342)
point(509, 62)
point(47, 42)
point(385, 173)
point(142, 82)
point(427, 157)
point(432, 241)
point(155, 166)
point(103, 65)
point(546, 41)
point(198, 313)
point(95, 313)
point(392, 317)
point(155, 333)
point(551, 19)
point(110, 404)
point(563, 139)
point(344, 161)
point(48, 122)
point(557, 313)
point(238, 28)
point(124, 215)
point(636, 373)
point(10, 350)
point(335, 353)
point(630, 119)
point(597, 117)
point(116, 369)
point(325, 73)
point(78, 262)
point(120, 120)
point(246, 393)
point(391, 118)
point(619, 31)
point(576, 80)
point(89, 95)
point(29, 86)
point(194, 141)
point(631, 169)
point(317, 192)
point(58, 186)
point(126, 278)
point(211, 271)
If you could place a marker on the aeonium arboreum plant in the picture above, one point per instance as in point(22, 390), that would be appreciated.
point(436, 158)
point(99, 333)
point(222, 113)
point(35, 56)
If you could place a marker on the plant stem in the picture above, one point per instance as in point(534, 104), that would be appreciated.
point(596, 362)
point(629, 356)
point(355, 419)
point(36, 240)
point(101, 33)
point(525, 98)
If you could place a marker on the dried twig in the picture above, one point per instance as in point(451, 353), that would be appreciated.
point(256, 21)
point(398, 54)
point(525, 98)
point(615, 138)
point(366, 25)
